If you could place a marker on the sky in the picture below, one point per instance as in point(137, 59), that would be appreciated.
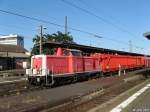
point(116, 21)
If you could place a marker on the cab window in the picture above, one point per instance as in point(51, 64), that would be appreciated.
point(66, 53)
point(76, 53)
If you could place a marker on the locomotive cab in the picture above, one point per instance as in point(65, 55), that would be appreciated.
point(43, 67)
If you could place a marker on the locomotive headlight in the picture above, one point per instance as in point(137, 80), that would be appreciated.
point(34, 71)
point(45, 72)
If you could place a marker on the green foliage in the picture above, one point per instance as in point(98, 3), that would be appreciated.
point(59, 37)
point(48, 51)
point(35, 51)
point(55, 37)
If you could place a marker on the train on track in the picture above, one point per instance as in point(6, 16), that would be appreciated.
point(72, 65)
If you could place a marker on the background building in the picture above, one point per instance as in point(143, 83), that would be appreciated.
point(12, 40)
point(12, 57)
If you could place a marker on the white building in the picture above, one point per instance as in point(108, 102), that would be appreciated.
point(12, 40)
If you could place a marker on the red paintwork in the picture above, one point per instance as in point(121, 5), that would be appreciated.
point(36, 62)
point(69, 64)
point(59, 64)
point(111, 63)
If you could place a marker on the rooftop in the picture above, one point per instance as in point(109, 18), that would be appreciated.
point(12, 48)
point(86, 49)
point(9, 36)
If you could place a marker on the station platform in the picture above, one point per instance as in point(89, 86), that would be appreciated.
point(141, 103)
point(136, 99)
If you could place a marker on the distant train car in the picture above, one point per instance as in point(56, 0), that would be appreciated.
point(70, 64)
point(110, 63)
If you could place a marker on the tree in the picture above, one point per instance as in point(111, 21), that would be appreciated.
point(60, 37)
point(55, 37)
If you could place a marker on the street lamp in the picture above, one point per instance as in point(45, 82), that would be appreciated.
point(41, 36)
point(147, 35)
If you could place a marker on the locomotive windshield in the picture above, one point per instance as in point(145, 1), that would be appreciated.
point(76, 53)
point(66, 53)
point(72, 52)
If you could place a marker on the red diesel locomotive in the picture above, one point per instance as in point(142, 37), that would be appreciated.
point(70, 64)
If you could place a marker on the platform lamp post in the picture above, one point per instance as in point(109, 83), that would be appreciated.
point(147, 35)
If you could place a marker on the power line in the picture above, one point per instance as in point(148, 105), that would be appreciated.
point(110, 17)
point(61, 26)
point(31, 18)
point(98, 17)
point(102, 19)
point(44, 21)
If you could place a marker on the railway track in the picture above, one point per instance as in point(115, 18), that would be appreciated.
point(36, 99)
point(16, 87)
point(80, 102)
point(86, 102)
point(21, 86)
point(14, 72)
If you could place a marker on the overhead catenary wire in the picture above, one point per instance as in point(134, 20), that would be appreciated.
point(44, 21)
point(19, 28)
point(95, 35)
point(102, 19)
point(110, 17)
point(61, 26)
point(99, 17)
point(52, 23)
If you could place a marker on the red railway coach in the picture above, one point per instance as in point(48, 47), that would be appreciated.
point(110, 63)
point(70, 64)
